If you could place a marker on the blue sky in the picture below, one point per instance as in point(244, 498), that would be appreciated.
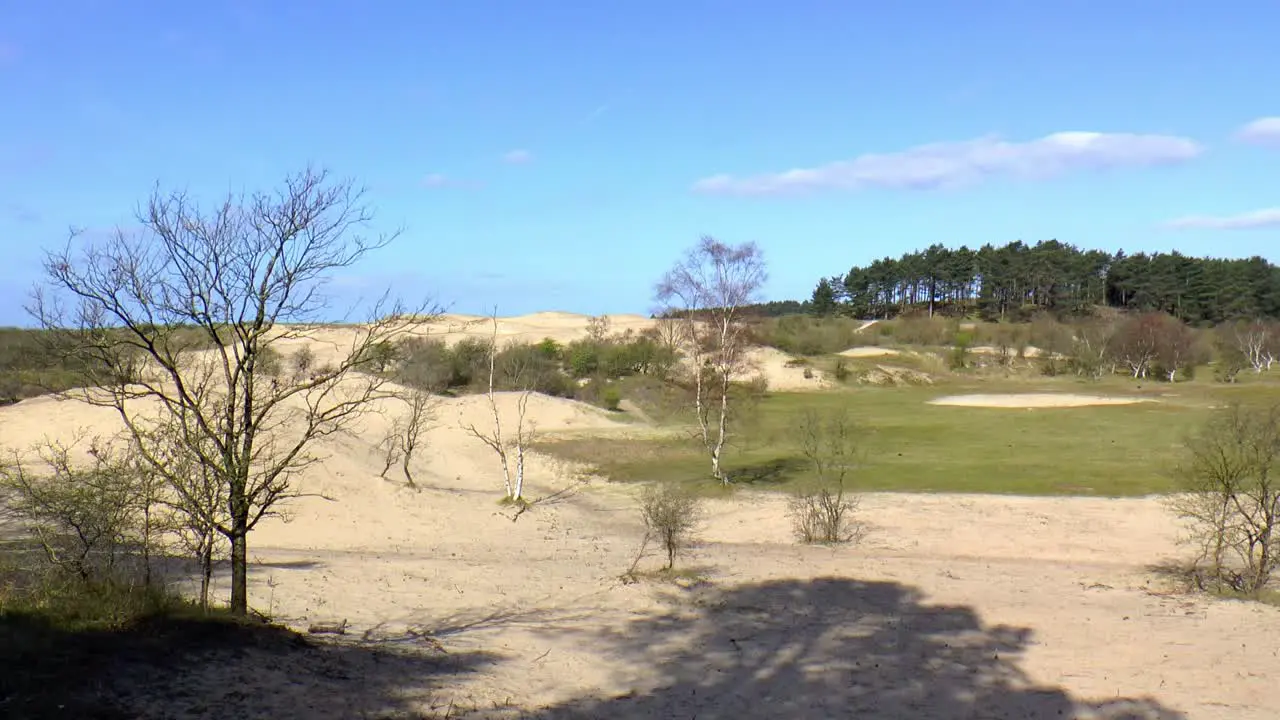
point(561, 155)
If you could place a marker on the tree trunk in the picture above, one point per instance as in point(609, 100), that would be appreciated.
point(146, 544)
point(239, 567)
point(518, 493)
point(721, 429)
point(206, 570)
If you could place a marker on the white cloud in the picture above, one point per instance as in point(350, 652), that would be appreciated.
point(952, 164)
point(1266, 218)
point(1263, 131)
point(518, 157)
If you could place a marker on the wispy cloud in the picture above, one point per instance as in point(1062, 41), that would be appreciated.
point(518, 157)
point(953, 164)
point(440, 180)
point(1263, 131)
point(1265, 218)
point(594, 114)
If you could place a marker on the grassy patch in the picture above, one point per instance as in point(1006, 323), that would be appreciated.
point(913, 446)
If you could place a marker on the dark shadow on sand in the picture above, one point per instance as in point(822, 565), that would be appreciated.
point(831, 648)
point(193, 667)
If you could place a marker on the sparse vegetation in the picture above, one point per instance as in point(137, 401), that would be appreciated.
point(671, 515)
point(1231, 499)
point(825, 513)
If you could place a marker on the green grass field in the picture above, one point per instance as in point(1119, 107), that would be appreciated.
point(910, 445)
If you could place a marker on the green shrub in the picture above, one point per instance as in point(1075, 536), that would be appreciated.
point(808, 336)
point(426, 364)
point(925, 331)
point(549, 349)
point(611, 398)
point(469, 361)
point(583, 358)
point(841, 371)
point(960, 351)
point(527, 367)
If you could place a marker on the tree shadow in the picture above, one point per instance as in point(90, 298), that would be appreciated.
point(188, 667)
point(285, 564)
point(830, 648)
point(766, 472)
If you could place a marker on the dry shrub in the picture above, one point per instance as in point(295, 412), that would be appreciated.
point(671, 515)
point(1231, 479)
point(825, 515)
point(926, 331)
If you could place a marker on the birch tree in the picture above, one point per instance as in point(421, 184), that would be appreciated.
point(509, 444)
point(173, 324)
point(707, 291)
point(1258, 341)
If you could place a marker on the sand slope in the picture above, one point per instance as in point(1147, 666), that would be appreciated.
point(1034, 400)
point(954, 606)
point(869, 352)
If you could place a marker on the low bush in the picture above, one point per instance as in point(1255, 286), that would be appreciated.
point(671, 516)
point(546, 367)
point(823, 516)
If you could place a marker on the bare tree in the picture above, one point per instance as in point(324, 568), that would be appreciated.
point(391, 448)
point(200, 296)
point(1091, 347)
point(671, 516)
point(406, 433)
point(413, 428)
point(1232, 497)
point(824, 514)
point(598, 328)
point(510, 448)
point(1176, 348)
point(707, 291)
point(1258, 341)
point(1136, 342)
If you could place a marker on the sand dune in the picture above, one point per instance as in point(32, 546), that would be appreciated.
point(869, 352)
point(959, 605)
point(778, 371)
point(1034, 400)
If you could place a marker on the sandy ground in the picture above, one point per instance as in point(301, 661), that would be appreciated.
point(954, 606)
point(1034, 400)
point(1030, 351)
point(869, 352)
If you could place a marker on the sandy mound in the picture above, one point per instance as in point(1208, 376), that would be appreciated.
point(887, 375)
point(869, 352)
point(782, 372)
point(1034, 400)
